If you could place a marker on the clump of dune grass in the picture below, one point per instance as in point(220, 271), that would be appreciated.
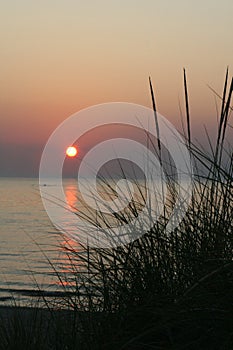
point(167, 291)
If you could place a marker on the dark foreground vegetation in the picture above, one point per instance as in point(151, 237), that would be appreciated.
point(159, 292)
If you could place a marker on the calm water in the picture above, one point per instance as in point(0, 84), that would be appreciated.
point(31, 249)
point(28, 241)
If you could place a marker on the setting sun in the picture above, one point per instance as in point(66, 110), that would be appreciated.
point(71, 151)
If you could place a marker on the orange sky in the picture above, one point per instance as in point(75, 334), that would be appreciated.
point(58, 57)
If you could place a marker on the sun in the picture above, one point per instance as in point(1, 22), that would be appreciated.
point(71, 151)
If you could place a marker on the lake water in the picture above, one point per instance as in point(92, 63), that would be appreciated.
point(31, 248)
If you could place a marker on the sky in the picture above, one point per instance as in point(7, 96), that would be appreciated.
point(60, 56)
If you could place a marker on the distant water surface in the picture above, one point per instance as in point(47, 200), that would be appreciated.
point(32, 250)
point(30, 245)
